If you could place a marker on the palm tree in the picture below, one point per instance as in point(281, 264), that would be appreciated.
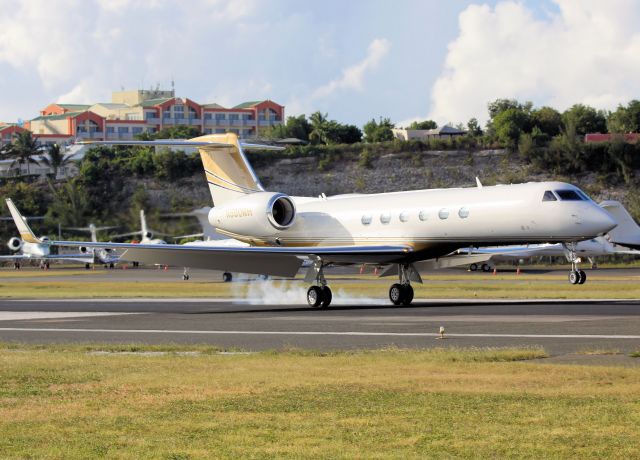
point(319, 128)
point(55, 159)
point(23, 148)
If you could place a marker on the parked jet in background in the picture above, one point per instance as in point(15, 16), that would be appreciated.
point(146, 234)
point(27, 247)
point(404, 229)
point(104, 256)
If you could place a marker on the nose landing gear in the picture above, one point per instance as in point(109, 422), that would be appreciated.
point(576, 276)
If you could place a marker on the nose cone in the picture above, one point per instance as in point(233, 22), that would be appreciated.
point(599, 221)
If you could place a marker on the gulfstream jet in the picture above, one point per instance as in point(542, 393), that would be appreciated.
point(405, 230)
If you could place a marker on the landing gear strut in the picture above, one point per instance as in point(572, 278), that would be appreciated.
point(319, 295)
point(185, 274)
point(576, 276)
point(402, 293)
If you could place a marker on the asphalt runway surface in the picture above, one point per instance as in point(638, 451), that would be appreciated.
point(566, 329)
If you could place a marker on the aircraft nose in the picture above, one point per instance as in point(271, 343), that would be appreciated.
point(600, 221)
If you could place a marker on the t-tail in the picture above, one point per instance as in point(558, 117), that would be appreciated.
point(627, 232)
point(23, 228)
point(228, 172)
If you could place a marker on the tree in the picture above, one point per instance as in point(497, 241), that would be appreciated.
point(548, 120)
point(509, 124)
point(500, 105)
point(473, 128)
point(319, 128)
point(23, 148)
point(378, 131)
point(585, 119)
point(625, 119)
point(55, 159)
point(426, 124)
point(297, 127)
point(344, 134)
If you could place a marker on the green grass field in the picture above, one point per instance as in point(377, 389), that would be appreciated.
point(508, 286)
point(181, 402)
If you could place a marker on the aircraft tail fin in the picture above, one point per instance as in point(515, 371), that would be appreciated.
point(228, 172)
point(25, 231)
point(144, 231)
point(627, 232)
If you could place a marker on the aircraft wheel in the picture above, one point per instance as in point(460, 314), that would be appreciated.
point(486, 268)
point(185, 277)
point(227, 277)
point(407, 294)
point(111, 265)
point(315, 296)
point(87, 266)
point(583, 277)
point(396, 293)
point(327, 296)
point(473, 267)
point(574, 277)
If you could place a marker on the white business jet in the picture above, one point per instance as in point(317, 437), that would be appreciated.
point(405, 230)
point(38, 249)
point(103, 256)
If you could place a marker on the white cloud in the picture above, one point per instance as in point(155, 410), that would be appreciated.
point(353, 76)
point(586, 52)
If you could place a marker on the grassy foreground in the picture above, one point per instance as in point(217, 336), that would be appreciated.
point(76, 401)
point(479, 286)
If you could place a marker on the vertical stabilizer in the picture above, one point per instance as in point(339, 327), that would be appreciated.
point(143, 225)
point(627, 232)
point(23, 228)
point(228, 172)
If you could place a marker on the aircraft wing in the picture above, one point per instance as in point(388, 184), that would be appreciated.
point(275, 261)
point(513, 252)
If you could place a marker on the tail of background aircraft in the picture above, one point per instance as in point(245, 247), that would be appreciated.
point(23, 228)
point(144, 230)
point(627, 233)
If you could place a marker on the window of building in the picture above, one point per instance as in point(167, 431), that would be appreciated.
point(149, 115)
point(549, 196)
point(123, 129)
point(220, 131)
point(424, 215)
point(463, 213)
point(443, 213)
point(208, 116)
point(234, 116)
point(166, 115)
point(151, 130)
point(136, 129)
point(221, 116)
point(178, 108)
point(366, 220)
point(568, 195)
point(404, 216)
point(111, 129)
point(385, 218)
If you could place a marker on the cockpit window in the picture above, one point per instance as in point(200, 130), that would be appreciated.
point(569, 195)
point(583, 195)
point(549, 196)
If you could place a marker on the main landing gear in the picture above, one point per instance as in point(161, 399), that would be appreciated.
point(402, 293)
point(319, 295)
point(576, 276)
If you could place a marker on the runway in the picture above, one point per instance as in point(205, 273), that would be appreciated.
point(561, 327)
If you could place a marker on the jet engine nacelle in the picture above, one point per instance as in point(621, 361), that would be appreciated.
point(148, 235)
point(84, 249)
point(15, 244)
point(258, 214)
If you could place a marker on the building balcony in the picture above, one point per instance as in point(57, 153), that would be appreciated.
point(92, 135)
point(153, 121)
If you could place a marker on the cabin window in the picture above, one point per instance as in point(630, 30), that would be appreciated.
point(366, 220)
point(568, 195)
point(404, 216)
point(549, 196)
point(443, 213)
point(385, 218)
point(424, 215)
point(463, 213)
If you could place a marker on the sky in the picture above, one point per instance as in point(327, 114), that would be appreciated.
point(355, 59)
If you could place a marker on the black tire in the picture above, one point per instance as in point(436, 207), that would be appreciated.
point(87, 266)
point(583, 277)
point(574, 277)
point(315, 296)
point(227, 277)
point(111, 266)
point(473, 267)
point(486, 268)
point(396, 293)
point(327, 296)
point(407, 294)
